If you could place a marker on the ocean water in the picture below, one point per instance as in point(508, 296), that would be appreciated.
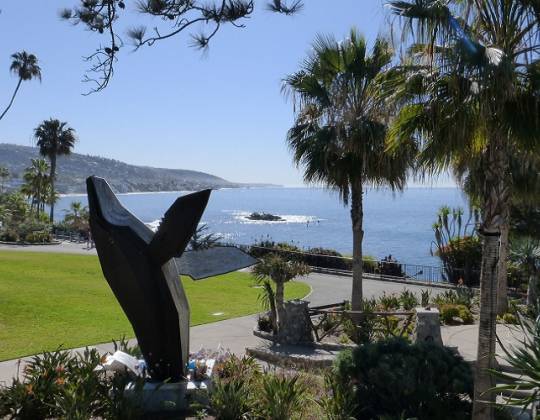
point(394, 223)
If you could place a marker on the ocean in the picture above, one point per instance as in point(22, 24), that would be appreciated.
point(394, 223)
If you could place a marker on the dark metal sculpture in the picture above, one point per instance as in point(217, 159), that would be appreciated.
point(141, 269)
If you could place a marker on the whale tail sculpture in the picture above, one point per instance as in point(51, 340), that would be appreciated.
point(142, 271)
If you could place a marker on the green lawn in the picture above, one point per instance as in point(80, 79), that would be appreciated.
point(48, 300)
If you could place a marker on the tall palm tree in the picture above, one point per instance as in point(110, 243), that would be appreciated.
point(471, 89)
point(26, 67)
point(54, 138)
point(339, 130)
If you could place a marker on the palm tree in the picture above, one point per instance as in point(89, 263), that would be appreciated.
point(54, 138)
point(36, 182)
point(4, 176)
point(26, 67)
point(339, 130)
point(470, 89)
point(524, 171)
point(526, 253)
point(280, 271)
point(77, 216)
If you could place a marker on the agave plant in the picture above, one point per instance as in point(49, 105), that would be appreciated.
point(525, 359)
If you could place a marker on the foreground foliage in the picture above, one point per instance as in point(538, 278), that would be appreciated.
point(60, 385)
point(399, 380)
point(525, 359)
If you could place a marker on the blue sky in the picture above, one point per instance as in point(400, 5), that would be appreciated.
point(169, 105)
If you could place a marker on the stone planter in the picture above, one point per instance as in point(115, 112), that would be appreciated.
point(428, 326)
point(297, 325)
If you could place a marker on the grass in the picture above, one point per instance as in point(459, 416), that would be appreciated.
point(49, 300)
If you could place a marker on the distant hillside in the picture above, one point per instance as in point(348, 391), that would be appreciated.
point(74, 169)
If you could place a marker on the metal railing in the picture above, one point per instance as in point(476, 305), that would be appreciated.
point(382, 269)
point(327, 319)
point(69, 236)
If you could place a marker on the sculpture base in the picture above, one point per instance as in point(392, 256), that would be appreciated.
point(168, 397)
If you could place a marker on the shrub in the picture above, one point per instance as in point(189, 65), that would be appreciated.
point(339, 402)
point(388, 302)
point(449, 311)
point(461, 259)
point(394, 379)
point(425, 298)
point(10, 235)
point(281, 397)
point(234, 381)
point(370, 264)
point(231, 399)
point(367, 326)
point(329, 322)
point(408, 300)
point(61, 385)
point(264, 323)
point(465, 315)
point(459, 296)
point(509, 318)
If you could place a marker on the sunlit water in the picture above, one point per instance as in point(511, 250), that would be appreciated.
point(399, 224)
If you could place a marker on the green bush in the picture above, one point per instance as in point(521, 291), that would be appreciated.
point(509, 318)
point(28, 229)
point(388, 302)
point(281, 397)
point(232, 395)
point(425, 298)
point(458, 296)
point(449, 311)
point(370, 264)
point(61, 385)
point(231, 399)
point(408, 300)
point(399, 380)
point(338, 402)
point(465, 315)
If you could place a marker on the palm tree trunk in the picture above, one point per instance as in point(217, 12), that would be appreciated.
point(280, 307)
point(52, 176)
point(38, 200)
point(494, 200)
point(532, 291)
point(357, 214)
point(502, 281)
point(12, 98)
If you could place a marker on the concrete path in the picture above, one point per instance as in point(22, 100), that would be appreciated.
point(64, 247)
point(465, 339)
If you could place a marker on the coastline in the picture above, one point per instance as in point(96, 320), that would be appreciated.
point(186, 191)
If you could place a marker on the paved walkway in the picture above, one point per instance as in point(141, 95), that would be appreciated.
point(64, 247)
point(236, 334)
